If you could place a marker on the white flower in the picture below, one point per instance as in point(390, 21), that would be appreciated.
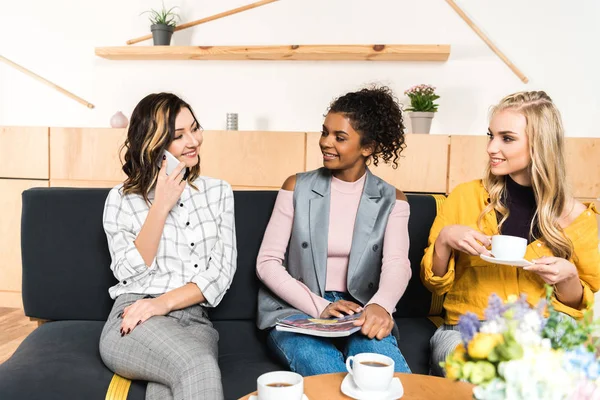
point(494, 326)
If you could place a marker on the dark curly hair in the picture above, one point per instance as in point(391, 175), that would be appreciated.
point(375, 114)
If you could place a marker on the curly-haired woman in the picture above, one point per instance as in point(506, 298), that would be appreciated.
point(337, 242)
point(173, 248)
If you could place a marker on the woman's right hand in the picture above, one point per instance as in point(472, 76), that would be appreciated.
point(341, 306)
point(169, 187)
point(466, 239)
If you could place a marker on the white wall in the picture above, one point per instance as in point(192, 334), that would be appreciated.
point(554, 42)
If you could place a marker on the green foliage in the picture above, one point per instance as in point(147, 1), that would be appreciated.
point(163, 16)
point(565, 333)
point(422, 98)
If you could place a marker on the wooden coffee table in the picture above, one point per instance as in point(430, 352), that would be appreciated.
point(416, 387)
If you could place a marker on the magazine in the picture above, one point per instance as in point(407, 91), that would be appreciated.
point(333, 327)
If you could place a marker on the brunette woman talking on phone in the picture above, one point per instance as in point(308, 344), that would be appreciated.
point(173, 248)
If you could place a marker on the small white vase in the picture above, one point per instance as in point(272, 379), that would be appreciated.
point(421, 121)
point(119, 120)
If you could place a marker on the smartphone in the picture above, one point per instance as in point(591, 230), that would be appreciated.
point(172, 162)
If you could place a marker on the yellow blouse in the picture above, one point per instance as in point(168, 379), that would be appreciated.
point(470, 280)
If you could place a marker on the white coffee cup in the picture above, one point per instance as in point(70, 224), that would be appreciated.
point(280, 385)
point(507, 247)
point(371, 371)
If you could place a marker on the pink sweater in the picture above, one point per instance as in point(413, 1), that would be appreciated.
point(345, 196)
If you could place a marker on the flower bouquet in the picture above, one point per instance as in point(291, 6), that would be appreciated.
point(518, 354)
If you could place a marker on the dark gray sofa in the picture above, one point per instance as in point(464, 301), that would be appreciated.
point(66, 276)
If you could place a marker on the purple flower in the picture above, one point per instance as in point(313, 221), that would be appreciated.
point(495, 308)
point(468, 326)
point(520, 307)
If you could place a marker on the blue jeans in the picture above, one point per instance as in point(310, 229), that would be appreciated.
point(313, 355)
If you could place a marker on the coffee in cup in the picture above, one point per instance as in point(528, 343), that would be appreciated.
point(371, 371)
point(507, 247)
point(280, 385)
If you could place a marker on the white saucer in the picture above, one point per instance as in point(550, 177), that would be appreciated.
point(516, 263)
point(255, 397)
point(349, 388)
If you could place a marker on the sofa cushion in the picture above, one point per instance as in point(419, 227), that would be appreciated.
point(252, 213)
point(65, 254)
point(60, 360)
point(243, 357)
point(416, 301)
point(414, 336)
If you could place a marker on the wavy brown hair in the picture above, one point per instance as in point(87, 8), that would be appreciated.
point(545, 133)
point(150, 132)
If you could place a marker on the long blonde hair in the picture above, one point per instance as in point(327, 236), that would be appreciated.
point(545, 134)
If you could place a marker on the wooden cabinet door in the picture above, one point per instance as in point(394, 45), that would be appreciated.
point(10, 245)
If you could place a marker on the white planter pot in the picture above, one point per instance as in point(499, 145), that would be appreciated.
point(421, 121)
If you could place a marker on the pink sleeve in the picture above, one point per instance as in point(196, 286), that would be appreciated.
point(269, 264)
point(395, 269)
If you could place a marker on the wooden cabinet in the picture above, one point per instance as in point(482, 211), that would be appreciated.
point(24, 152)
point(10, 239)
point(252, 160)
point(85, 154)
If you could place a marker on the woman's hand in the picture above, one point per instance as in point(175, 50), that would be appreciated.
point(465, 239)
point(375, 322)
point(341, 306)
point(553, 270)
point(169, 187)
point(140, 311)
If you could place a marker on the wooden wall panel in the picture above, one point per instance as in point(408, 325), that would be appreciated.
point(422, 167)
point(10, 299)
point(583, 166)
point(252, 159)
point(83, 184)
point(468, 159)
point(24, 152)
point(10, 235)
point(86, 154)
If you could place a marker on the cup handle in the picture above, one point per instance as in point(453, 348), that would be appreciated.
point(348, 367)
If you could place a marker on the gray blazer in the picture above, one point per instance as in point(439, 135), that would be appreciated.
point(306, 257)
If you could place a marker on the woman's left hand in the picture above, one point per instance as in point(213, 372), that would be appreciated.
point(375, 322)
point(553, 270)
point(140, 311)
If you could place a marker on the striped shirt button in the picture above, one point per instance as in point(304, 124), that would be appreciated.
point(187, 223)
point(195, 265)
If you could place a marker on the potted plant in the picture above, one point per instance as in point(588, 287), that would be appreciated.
point(163, 24)
point(422, 107)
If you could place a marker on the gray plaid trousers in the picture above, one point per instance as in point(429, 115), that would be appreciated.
point(176, 353)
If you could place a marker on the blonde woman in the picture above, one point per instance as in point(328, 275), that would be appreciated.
point(172, 243)
point(524, 193)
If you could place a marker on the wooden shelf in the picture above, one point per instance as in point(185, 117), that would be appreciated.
point(388, 52)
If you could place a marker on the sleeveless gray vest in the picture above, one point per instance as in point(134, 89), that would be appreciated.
point(306, 257)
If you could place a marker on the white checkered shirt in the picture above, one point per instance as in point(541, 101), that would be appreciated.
point(197, 244)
